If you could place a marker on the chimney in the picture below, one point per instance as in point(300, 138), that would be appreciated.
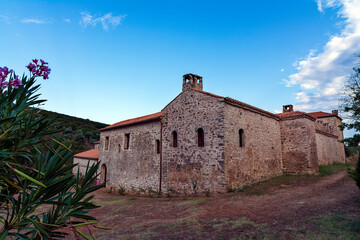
point(288, 108)
point(335, 112)
point(192, 81)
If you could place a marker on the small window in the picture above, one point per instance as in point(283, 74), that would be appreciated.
point(174, 139)
point(107, 143)
point(157, 146)
point(200, 134)
point(127, 141)
point(119, 148)
point(241, 138)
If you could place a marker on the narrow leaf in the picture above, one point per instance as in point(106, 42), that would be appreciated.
point(28, 177)
point(82, 234)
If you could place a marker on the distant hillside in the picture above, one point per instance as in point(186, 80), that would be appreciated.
point(78, 132)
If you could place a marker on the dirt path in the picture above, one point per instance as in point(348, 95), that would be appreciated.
point(229, 215)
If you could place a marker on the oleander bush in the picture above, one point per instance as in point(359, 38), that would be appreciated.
point(40, 198)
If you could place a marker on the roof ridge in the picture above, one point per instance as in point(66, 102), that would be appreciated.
point(92, 154)
point(136, 120)
point(248, 106)
point(208, 93)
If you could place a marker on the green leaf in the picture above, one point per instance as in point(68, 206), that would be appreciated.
point(28, 177)
point(85, 223)
point(3, 234)
point(61, 144)
point(105, 228)
point(82, 234)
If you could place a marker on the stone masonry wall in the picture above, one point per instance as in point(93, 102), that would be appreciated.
point(299, 146)
point(185, 114)
point(82, 164)
point(260, 156)
point(136, 167)
point(329, 149)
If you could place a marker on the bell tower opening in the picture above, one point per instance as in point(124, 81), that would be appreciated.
point(288, 108)
point(192, 81)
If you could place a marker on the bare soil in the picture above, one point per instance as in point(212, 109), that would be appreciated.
point(309, 207)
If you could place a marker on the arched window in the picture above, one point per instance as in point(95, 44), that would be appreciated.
point(174, 138)
point(103, 174)
point(106, 143)
point(157, 146)
point(127, 141)
point(241, 138)
point(200, 134)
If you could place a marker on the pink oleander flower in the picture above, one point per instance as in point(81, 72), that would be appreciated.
point(3, 84)
point(40, 70)
point(15, 83)
point(4, 72)
point(31, 67)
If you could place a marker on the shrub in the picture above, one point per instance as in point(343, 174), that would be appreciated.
point(355, 174)
point(121, 190)
point(170, 192)
point(207, 192)
point(350, 151)
point(40, 198)
point(194, 184)
point(151, 192)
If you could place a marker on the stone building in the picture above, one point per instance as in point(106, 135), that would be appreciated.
point(218, 142)
point(84, 158)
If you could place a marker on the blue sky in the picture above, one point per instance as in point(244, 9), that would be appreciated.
point(113, 60)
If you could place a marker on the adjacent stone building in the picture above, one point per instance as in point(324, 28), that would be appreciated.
point(217, 143)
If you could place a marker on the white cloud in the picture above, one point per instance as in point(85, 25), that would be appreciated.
point(33, 20)
point(5, 19)
point(106, 20)
point(321, 75)
point(67, 20)
point(319, 4)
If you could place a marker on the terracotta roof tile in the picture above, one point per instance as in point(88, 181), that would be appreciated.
point(157, 116)
point(132, 121)
point(320, 114)
point(90, 154)
point(250, 107)
point(295, 114)
point(239, 103)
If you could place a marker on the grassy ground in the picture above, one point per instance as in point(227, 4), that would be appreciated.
point(334, 168)
point(339, 225)
point(287, 180)
point(328, 208)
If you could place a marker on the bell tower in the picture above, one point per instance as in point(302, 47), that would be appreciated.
point(192, 81)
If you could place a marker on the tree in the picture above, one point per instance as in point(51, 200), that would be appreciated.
point(40, 198)
point(354, 174)
point(351, 106)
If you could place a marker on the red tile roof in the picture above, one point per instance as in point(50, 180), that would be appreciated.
point(250, 107)
point(90, 154)
point(147, 118)
point(286, 115)
point(241, 104)
point(295, 114)
point(321, 114)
